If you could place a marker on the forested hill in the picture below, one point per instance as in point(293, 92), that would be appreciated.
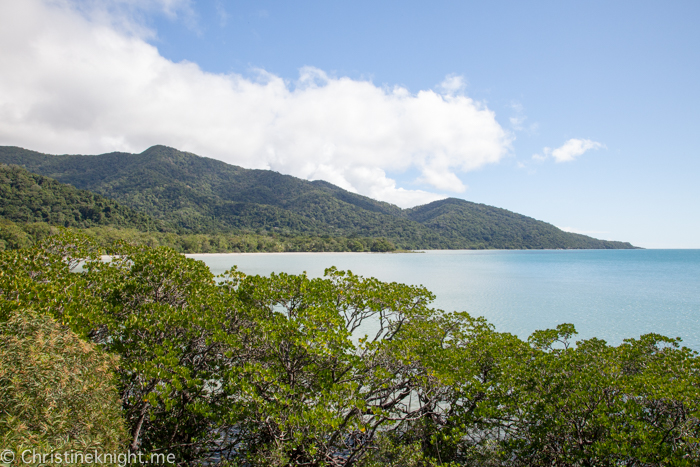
point(27, 197)
point(199, 194)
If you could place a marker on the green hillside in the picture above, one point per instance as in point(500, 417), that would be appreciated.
point(26, 197)
point(487, 227)
point(32, 206)
point(202, 195)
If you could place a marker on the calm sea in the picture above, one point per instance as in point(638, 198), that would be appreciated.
point(609, 294)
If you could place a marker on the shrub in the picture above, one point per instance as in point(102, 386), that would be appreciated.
point(57, 391)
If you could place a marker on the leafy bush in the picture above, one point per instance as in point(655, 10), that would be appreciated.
point(335, 371)
point(57, 391)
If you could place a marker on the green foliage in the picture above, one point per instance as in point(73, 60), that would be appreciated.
point(12, 236)
point(177, 334)
point(461, 224)
point(553, 403)
point(19, 235)
point(30, 198)
point(57, 391)
point(334, 371)
point(318, 390)
point(636, 404)
point(32, 205)
point(203, 196)
point(242, 242)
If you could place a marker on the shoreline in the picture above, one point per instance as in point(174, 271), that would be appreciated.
point(312, 253)
point(445, 251)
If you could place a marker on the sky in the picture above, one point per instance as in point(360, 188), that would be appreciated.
point(583, 114)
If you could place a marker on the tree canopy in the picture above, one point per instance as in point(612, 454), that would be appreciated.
point(334, 371)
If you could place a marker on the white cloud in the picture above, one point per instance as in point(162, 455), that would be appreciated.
point(452, 84)
point(221, 13)
point(74, 83)
point(574, 148)
point(519, 119)
point(517, 122)
point(128, 15)
point(569, 150)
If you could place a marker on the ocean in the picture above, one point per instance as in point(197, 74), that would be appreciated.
point(608, 294)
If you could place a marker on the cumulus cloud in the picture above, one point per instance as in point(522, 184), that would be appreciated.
point(569, 150)
point(75, 83)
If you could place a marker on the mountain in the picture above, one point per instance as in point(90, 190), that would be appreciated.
point(488, 227)
point(198, 194)
point(26, 197)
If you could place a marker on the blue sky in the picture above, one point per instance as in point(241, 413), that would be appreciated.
point(404, 101)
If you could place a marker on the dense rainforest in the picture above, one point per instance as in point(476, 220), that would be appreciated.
point(191, 195)
point(148, 353)
point(32, 206)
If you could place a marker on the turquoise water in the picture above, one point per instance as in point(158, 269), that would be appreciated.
point(610, 294)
